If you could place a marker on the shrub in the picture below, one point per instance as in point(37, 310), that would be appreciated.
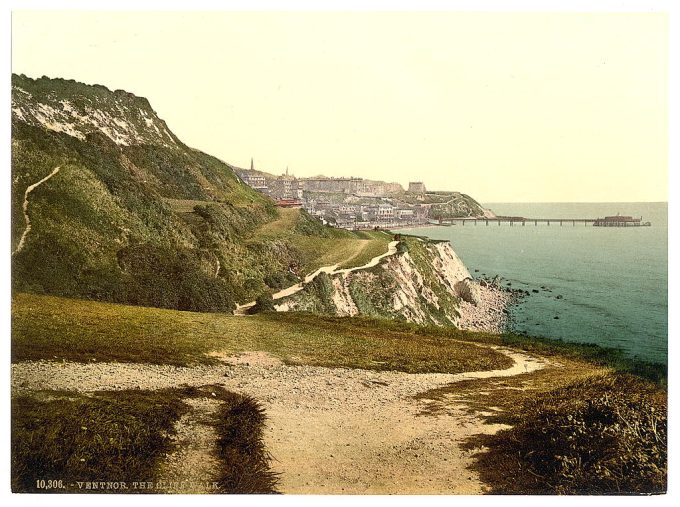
point(307, 225)
point(603, 435)
point(72, 437)
point(263, 303)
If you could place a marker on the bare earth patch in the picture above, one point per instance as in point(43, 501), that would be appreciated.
point(329, 430)
point(248, 359)
point(191, 467)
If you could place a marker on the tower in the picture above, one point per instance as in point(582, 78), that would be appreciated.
point(252, 166)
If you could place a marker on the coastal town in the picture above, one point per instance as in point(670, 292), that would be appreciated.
point(360, 204)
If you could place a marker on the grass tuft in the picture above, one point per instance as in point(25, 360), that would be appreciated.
point(108, 436)
point(121, 437)
point(241, 447)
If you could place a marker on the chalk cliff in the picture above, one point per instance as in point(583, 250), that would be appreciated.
point(424, 282)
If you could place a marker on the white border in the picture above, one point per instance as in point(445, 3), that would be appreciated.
point(337, 5)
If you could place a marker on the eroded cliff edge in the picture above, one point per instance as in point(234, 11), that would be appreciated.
point(425, 282)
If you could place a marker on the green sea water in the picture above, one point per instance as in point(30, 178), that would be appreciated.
point(605, 285)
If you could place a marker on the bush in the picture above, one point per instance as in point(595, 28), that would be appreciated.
point(118, 436)
point(307, 225)
point(603, 435)
point(263, 303)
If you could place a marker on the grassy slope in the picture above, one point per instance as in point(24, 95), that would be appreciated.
point(148, 224)
point(320, 246)
point(101, 230)
point(43, 329)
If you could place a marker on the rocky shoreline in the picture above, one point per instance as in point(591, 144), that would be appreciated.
point(486, 310)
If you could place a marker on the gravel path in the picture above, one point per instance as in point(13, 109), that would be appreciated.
point(329, 430)
point(330, 270)
point(191, 467)
point(27, 219)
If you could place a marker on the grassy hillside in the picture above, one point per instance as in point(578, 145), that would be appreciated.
point(318, 245)
point(110, 332)
point(446, 204)
point(135, 216)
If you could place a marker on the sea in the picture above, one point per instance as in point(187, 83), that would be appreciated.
point(603, 285)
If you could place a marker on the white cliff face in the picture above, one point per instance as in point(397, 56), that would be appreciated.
point(126, 119)
point(342, 299)
point(449, 266)
point(406, 297)
point(429, 284)
point(422, 291)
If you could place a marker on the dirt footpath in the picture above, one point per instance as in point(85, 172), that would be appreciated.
point(329, 430)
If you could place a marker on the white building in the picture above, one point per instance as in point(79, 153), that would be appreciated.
point(385, 212)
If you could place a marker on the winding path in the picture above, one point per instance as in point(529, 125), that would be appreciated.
point(330, 270)
point(329, 430)
point(30, 189)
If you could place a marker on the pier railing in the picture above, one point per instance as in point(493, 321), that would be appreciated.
point(535, 221)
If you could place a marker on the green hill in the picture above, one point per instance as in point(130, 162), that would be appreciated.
point(135, 216)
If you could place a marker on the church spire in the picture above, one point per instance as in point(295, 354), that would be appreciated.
point(252, 166)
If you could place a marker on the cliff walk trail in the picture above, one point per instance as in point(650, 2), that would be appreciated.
point(30, 189)
point(330, 270)
point(329, 430)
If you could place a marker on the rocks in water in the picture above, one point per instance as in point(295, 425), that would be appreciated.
point(535, 291)
point(468, 291)
point(555, 317)
point(559, 296)
point(476, 271)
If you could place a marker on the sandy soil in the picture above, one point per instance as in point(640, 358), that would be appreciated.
point(329, 430)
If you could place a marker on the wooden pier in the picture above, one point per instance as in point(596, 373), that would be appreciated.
point(598, 222)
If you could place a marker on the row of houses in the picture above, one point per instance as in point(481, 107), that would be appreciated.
point(288, 186)
point(367, 204)
point(367, 216)
point(282, 187)
point(355, 186)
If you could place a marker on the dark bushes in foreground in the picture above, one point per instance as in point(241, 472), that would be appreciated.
point(604, 435)
point(61, 441)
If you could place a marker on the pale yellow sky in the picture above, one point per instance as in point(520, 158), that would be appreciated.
point(504, 107)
